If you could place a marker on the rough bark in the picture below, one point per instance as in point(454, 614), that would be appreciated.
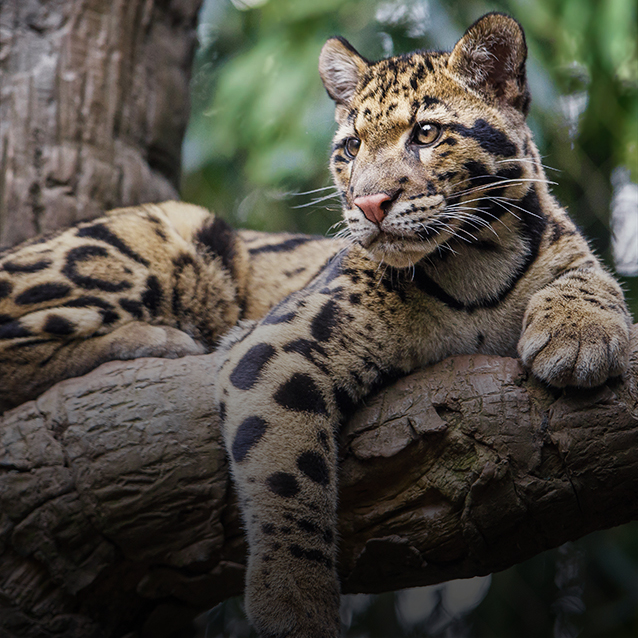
point(117, 513)
point(93, 107)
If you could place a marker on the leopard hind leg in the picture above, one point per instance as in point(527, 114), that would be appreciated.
point(32, 359)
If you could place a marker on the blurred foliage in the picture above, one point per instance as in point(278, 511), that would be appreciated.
point(259, 137)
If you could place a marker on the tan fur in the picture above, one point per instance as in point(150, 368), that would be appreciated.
point(136, 283)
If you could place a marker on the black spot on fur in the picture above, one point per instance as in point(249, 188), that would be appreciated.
point(222, 412)
point(5, 289)
point(311, 554)
point(88, 282)
point(57, 325)
point(489, 138)
point(314, 466)
point(301, 394)
point(43, 292)
point(328, 536)
point(152, 295)
point(272, 318)
point(25, 268)
point(247, 435)
point(101, 232)
point(307, 526)
point(268, 529)
point(219, 239)
point(345, 403)
point(283, 484)
point(429, 101)
point(513, 172)
point(429, 287)
point(325, 321)
point(446, 177)
point(479, 173)
point(13, 330)
point(355, 299)
point(284, 246)
point(133, 307)
point(247, 371)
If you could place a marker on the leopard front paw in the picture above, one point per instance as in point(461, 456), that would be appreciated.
point(572, 342)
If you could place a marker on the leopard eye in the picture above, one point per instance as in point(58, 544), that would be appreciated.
point(351, 147)
point(426, 133)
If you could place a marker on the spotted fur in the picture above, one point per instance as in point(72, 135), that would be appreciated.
point(456, 246)
point(155, 280)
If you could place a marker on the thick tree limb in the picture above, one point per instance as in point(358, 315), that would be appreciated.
point(117, 512)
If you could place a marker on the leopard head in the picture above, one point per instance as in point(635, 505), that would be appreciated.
point(430, 145)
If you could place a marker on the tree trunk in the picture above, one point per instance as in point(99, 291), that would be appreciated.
point(93, 107)
point(117, 512)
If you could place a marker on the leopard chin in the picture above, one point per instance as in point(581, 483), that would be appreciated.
point(395, 254)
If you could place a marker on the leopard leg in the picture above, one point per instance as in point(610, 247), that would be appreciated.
point(279, 434)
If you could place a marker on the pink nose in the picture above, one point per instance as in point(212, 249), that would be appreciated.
point(372, 206)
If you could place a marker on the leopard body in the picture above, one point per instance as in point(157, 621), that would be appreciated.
point(454, 245)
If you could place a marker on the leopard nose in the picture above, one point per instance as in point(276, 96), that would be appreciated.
point(373, 206)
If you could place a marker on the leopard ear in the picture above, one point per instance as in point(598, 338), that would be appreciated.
point(341, 68)
point(490, 58)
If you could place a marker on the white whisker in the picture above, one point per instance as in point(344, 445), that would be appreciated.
point(316, 201)
point(316, 190)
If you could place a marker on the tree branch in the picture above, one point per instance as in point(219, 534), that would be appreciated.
point(117, 512)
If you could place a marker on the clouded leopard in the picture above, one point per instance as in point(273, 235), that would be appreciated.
point(455, 246)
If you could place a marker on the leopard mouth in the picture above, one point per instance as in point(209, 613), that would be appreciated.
point(397, 250)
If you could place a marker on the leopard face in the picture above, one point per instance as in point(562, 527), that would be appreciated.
point(428, 152)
